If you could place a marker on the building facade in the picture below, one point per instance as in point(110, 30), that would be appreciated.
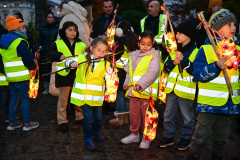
point(9, 7)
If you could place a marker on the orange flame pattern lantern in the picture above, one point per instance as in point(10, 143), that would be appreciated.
point(162, 84)
point(170, 41)
point(112, 82)
point(227, 47)
point(34, 84)
point(110, 35)
point(151, 121)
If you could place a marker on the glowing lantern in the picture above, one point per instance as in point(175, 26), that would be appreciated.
point(110, 35)
point(170, 41)
point(151, 121)
point(33, 84)
point(162, 84)
point(112, 82)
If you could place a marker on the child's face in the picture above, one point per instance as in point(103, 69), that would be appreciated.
point(229, 29)
point(145, 44)
point(182, 38)
point(99, 50)
point(216, 8)
point(71, 32)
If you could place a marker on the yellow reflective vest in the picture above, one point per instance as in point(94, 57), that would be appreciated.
point(140, 70)
point(89, 88)
point(62, 47)
point(14, 68)
point(161, 27)
point(183, 87)
point(215, 92)
point(123, 61)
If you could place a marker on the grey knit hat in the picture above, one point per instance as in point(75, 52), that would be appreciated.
point(221, 18)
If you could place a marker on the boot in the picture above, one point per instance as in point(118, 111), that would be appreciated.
point(118, 121)
point(126, 118)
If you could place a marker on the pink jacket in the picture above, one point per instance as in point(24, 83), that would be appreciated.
point(152, 72)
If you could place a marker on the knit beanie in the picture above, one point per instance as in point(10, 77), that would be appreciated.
point(214, 2)
point(221, 18)
point(13, 23)
point(188, 29)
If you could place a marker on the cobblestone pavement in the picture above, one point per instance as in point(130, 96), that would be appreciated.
point(48, 143)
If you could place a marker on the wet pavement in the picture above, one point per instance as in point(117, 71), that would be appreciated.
point(48, 143)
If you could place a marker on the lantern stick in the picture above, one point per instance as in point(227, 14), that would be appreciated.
point(217, 53)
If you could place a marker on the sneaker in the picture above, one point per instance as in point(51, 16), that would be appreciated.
point(90, 145)
point(193, 157)
point(145, 144)
point(166, 142)
point(46, 91)
point(99, 136)
point(30, 125)
point(130, 139)
point(12, 126)
point(63, 127)
point(183, 144)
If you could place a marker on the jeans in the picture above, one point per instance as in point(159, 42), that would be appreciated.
point(122, 102)
point(92, 117)
point(22, 89)
point(209, 125)
point(5, 100)
point(173, 104)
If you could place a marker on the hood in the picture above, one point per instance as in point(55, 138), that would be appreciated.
point(151, 52)
point(7, 39)
point(76, 9)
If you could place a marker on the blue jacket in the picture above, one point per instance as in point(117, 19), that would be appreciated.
point(22, 48)
point(204, 72)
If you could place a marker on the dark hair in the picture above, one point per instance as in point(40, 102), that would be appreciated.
point(50, 12)
point(94, 44)
point(108, 1)
point(66, 25)
point(131, 37)
point(19, 14)
point(150, 35)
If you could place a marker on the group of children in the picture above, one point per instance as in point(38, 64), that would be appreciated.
point(140, 79)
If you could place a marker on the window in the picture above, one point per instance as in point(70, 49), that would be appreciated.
point(16, 4)
point(4, 5)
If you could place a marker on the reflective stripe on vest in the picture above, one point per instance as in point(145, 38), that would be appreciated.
point(183, 87)
point(3, 80)
point(140, 70)
point(161, 27)
point(89, 87)
point(123, 61)
point(14, 68)
point(62, 47)
point(215, 92)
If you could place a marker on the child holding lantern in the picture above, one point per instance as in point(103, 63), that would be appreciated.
point(215, 104)
point(180, 88)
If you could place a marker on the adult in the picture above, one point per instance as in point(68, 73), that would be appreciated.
point(154, 21)
point(29, 34)
point(102, 22)
point(47, 36)
point(77, 14)
point(87, 4)
point(213, 6)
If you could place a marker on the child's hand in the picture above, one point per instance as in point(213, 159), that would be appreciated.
point(62, 57)
point(125, 87)
point(137, 87)
point(35, 61)
point(221, 62)
point(74, 64)
point(179, 55)
point(176, 61)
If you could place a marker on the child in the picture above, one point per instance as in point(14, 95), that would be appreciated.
point(142, 77)
point(215, 105)
point(180, 88)
point(126, 40)
point(68, 45)
point(89, 87)
point(17, 61)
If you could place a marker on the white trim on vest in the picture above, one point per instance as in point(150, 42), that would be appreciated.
point(2, 78)
point(213, 93)
point(187, 79)
point(169, 85)
point(234, 79)
point(185, 89)
point(13, 64)
point(137, 78)
point(154, 91)
point(17, 74)
point(89, 87)
point(173, 74)
point(87, 97)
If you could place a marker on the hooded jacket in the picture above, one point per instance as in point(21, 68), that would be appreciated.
point(76, 13)
point(152, 72)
